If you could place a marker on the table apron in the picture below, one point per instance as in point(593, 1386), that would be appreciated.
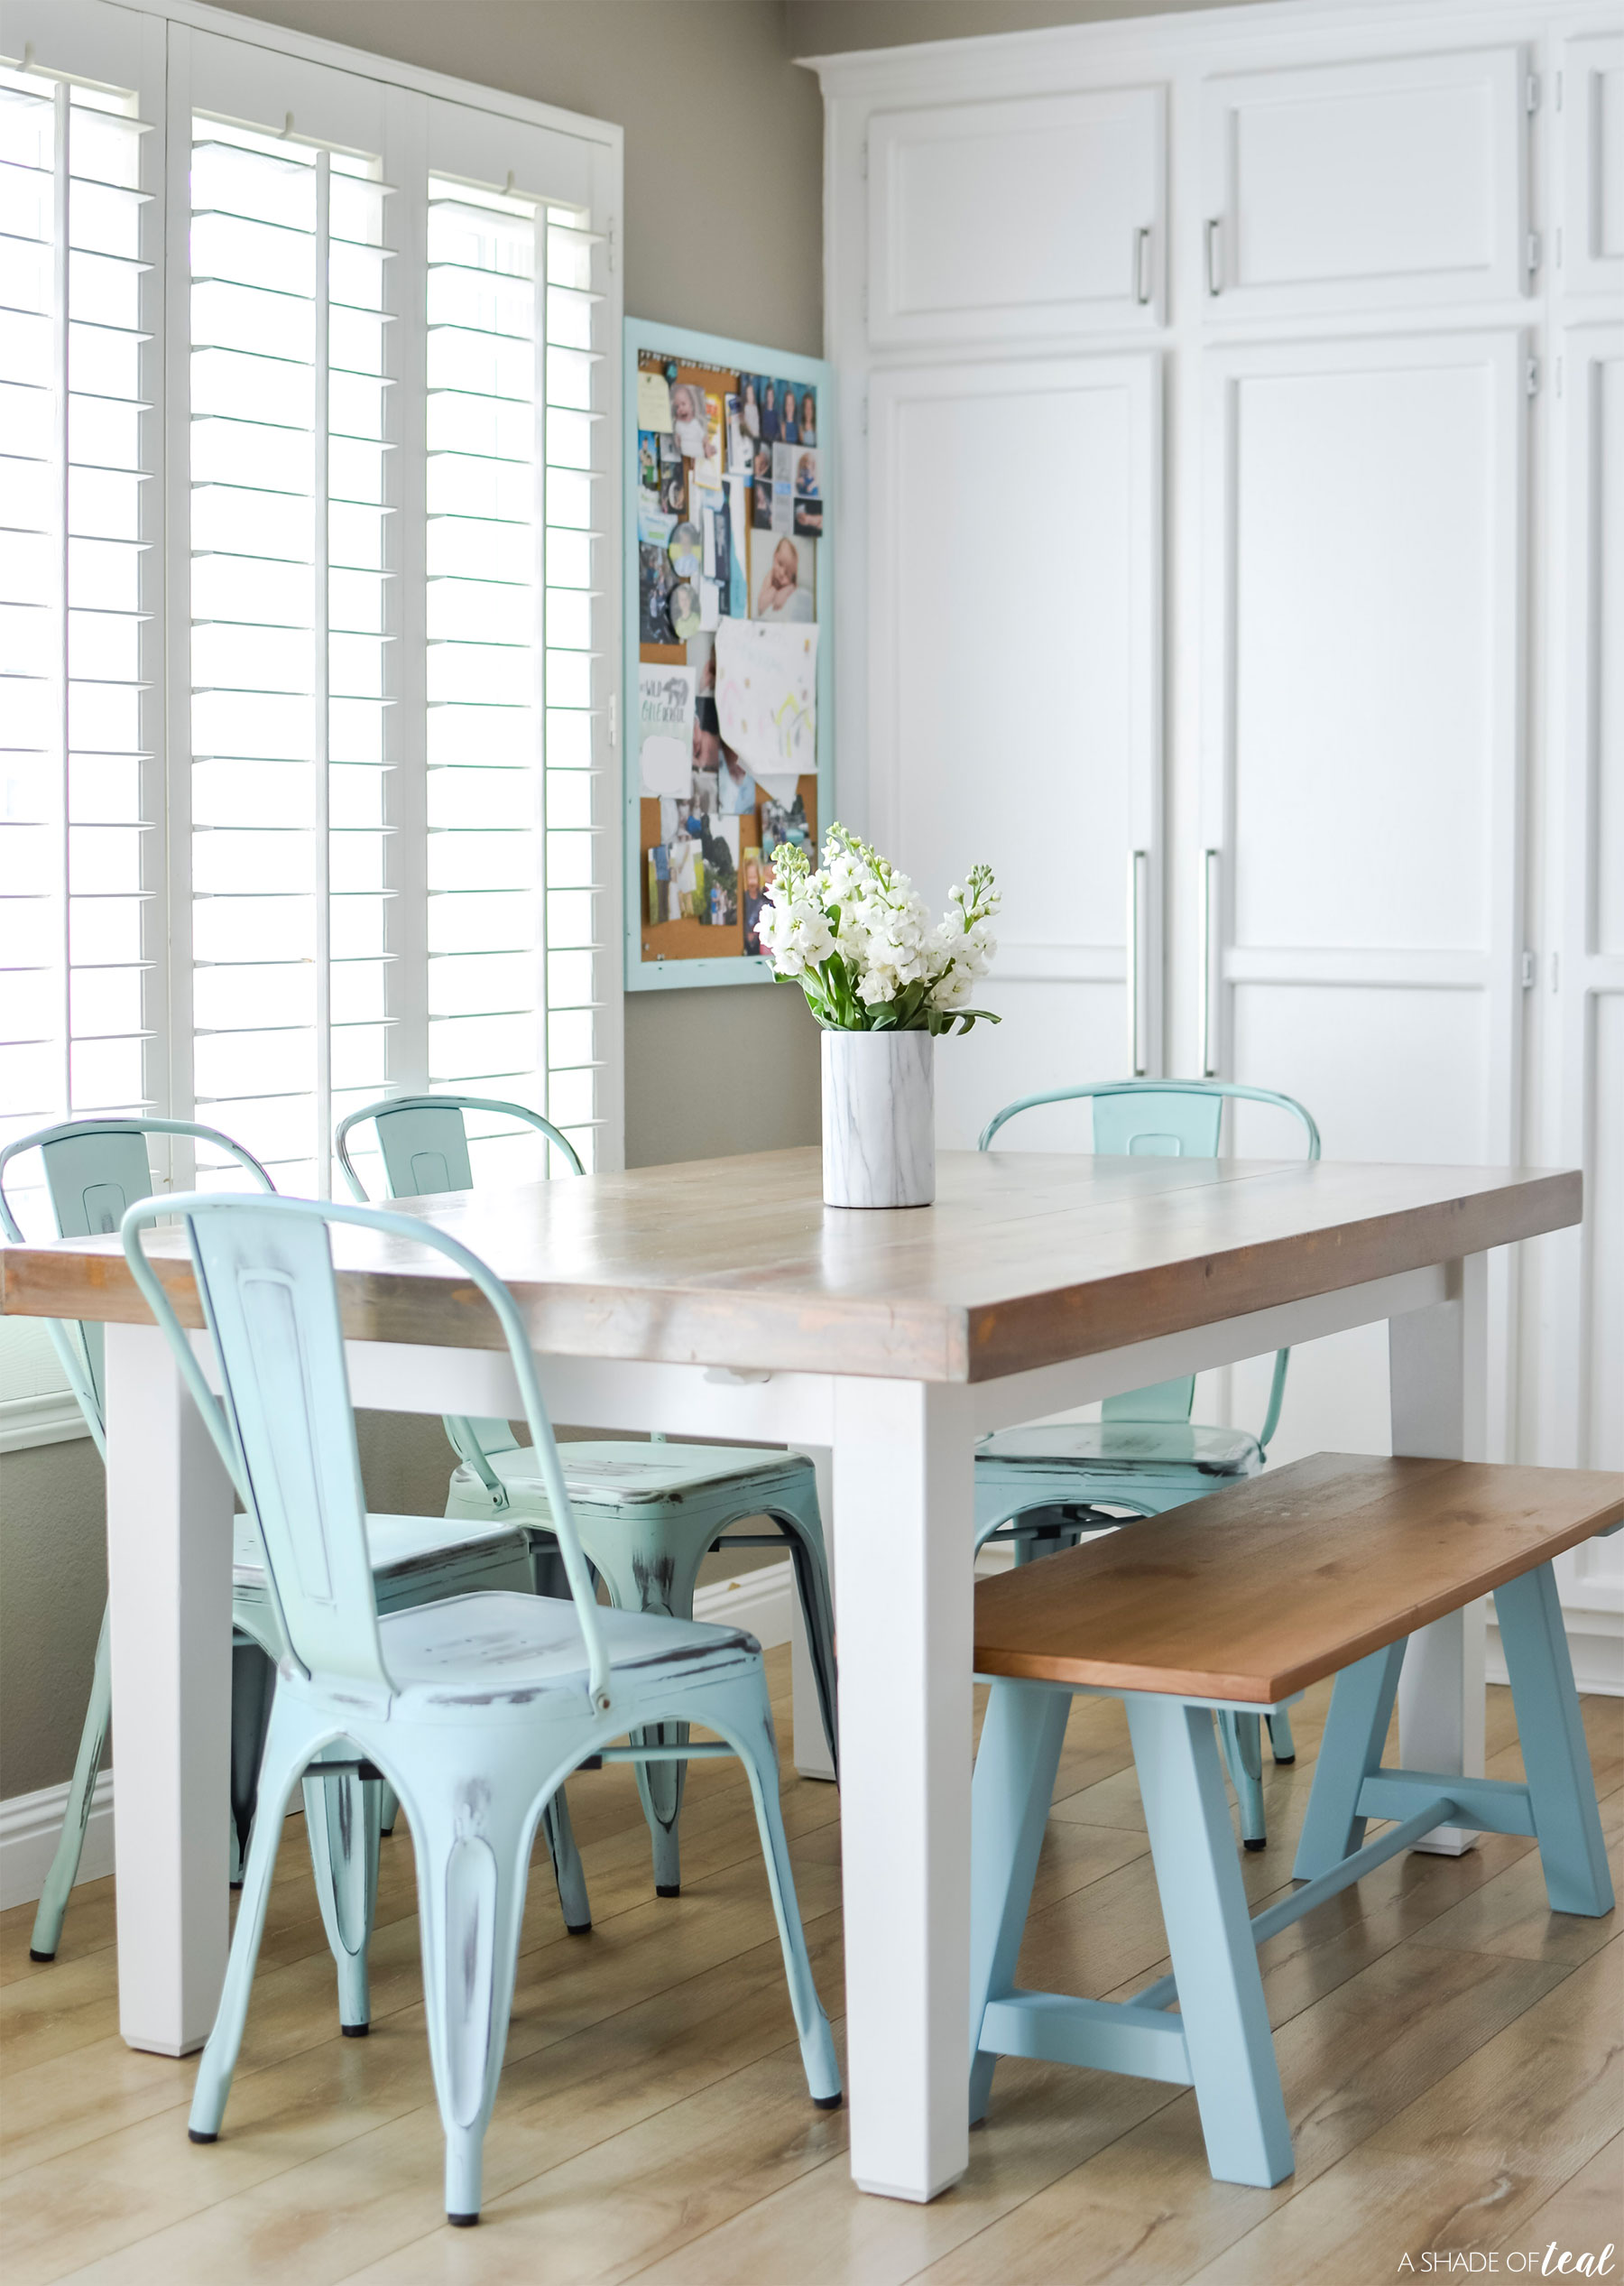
point(790, 1408)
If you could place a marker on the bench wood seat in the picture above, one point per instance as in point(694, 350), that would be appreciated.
point(1254, 1592)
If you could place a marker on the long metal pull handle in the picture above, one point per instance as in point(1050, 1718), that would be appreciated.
point(1137, 863)
point(1141, 266)
point(1209, 861)
point(1214, 275)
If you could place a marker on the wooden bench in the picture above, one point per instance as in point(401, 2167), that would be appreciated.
point(1240, 1601)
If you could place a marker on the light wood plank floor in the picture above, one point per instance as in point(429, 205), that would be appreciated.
point(1451, 2055)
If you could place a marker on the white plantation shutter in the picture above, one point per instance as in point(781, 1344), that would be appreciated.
point(290, 631)
point(80, 868)
point(304, 728)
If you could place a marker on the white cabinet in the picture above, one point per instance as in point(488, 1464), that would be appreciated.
point(1365, 185)
point(1592, 167)
point(1361, 589)
point(989, 221)
point(1015, 573)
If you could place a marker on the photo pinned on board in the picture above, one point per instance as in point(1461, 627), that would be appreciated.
point(696, 421)
point(752, 897)
point(783, 578)
point(735, 787)
point(740, 444)
point(647, 460)
point(808, 493)
point(655, 581)
point(761, 490)
point(784, 822)
point(673, 478)
point(682, 604)
point(694, 874)
point(791, 398)
point(686, 549)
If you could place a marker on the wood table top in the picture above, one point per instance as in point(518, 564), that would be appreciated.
point(1260, 1589)
point(1025, 1259)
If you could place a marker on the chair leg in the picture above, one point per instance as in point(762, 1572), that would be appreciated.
point(804, 1533)
point(75, 1814)
point(1014, 1783)
point(1243, 1752)
point(1562, 1786)
point(341, 1819)
point(567, 1870)
point(744, 1719)
point(1281, 1744)
point(286, 1753)
point(389, 1808)
point(471, 1871)
point(253, 1687)
point(1209, 1936)
point(1356, 1729)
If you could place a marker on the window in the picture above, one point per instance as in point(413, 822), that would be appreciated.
point(306, 725)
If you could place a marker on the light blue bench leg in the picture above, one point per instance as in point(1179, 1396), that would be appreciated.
point(1210, 1938)
point(1014, 1783)
point(1562, 1787)
point(1356, 1729)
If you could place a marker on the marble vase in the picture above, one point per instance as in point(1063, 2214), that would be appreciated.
point(879, 1119)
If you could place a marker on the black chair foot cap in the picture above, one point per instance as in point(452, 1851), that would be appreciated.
point(675, 1889)
point(235, 1886)
point(1257, 1844)
point(354, 2031)
point(578, 1928)
point(462, 2222)
point(828, 2102)
point(197, 2135)
point(34, 1956)
point(1284, 1762)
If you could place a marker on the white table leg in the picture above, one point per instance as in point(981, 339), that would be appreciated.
point(1439, 1371)
point(904, 1609)
point(168, 1584)
point(812, 1755)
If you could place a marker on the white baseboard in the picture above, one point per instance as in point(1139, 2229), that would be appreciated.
point(760, 1600)
point(30, 1823)
point(1595, 1645)
point(28, 1827)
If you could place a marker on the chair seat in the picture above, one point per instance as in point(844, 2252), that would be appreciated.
point(398, 1546)
point(471, 1653)
point(1106, 1447)
point(608, 1475)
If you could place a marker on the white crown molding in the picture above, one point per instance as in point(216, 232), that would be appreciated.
point(1133, 47)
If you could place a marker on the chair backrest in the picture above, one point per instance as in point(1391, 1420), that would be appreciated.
point(286, 1427)
point(424, 1143)
point(1165, 1119)
point(94, 1170)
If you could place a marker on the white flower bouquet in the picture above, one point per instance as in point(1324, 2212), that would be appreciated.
point(857, 938)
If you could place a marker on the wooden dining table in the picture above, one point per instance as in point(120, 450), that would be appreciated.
point(723, 1299)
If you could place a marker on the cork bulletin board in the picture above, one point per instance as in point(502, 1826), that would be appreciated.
point(729, 604)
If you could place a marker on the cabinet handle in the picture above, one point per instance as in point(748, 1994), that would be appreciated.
point(1137, 862)
point(1214, 275)
point(1141, 266)
point(1209, 863)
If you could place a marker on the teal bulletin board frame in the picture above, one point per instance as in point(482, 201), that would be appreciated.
point(656, 973)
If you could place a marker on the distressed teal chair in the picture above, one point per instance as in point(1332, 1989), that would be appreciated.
point(1043, 1487)
point(94, 1170)
point(648, 1514)
point(474, 1709)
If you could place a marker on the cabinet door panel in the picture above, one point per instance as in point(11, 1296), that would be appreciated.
point(1014, 689)
point(1593, 164)
point(1015, 219)
point(1352, 185)
point(1361, 761)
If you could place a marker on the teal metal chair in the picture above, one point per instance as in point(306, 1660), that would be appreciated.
point(1043, 1487)
point(648, 1514)
point(95, 1168)
point(475, 1709)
